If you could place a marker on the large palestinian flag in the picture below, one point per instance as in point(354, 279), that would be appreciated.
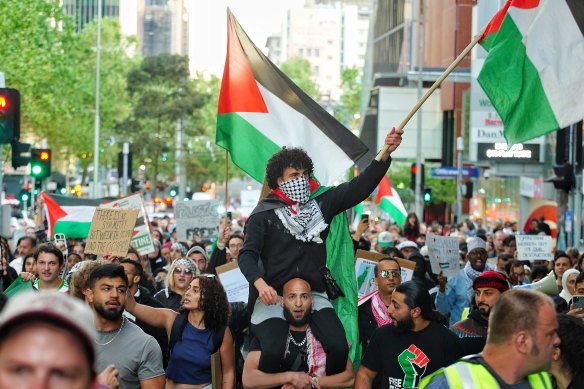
point(261, 110)
point(69, 215)
point(533, 73)
point(388, 200)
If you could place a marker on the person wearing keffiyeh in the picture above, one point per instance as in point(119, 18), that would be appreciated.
point(287, 232)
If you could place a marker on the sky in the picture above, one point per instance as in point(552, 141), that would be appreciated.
point(208, 27)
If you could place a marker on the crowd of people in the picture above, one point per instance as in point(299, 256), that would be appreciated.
point(163, 319)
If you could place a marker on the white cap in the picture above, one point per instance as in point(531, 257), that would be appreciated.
point(406, 244)
point(475, 243)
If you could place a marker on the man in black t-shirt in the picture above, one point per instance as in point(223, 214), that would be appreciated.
point(413, 346)
point(304, 361)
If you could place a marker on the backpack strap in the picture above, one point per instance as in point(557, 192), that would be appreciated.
point(218, 338)
point(180, 322)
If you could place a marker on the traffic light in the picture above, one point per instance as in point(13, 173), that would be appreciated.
point(564, 178)
point(18, 149)
point(414, 170)
point(468, 187)
point(40, 163)
point(173, 192)
point(24, 197)
point(9, 115)
point(427, 195)
point(121, 165)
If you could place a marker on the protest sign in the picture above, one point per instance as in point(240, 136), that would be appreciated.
point(444, 254)
point(197, 218)
point(141, 239)
point(111, 231)
point(534, 247)
point(365, 262)
point(233, 281)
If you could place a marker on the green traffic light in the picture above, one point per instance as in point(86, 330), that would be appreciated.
point(24, 197)
point(427, 197)
point(63, 191)
point(173, 193)
point(36, 170)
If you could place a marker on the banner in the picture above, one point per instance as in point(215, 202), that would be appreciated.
point(111, 231)
point(444, 254)
point(365, 262)
point(197, 218)
point(141, 238)
point(534, 248)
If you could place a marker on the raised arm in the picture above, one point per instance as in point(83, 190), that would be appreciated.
point(156, 317)
point(227, 353)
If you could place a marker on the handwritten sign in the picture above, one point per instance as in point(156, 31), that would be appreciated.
point(197, 218)
point(444, 254)
point(111, 231)
point(141, 239)
point(534, 247)
point(234, 282)
point(365, 262)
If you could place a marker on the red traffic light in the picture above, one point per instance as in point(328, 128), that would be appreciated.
point(45, 156)
point(415, 169)
point(3, 102)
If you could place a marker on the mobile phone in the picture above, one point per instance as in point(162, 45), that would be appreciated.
point(365, 218)
point(229, 216)
point(577, 302)
point(61, 243)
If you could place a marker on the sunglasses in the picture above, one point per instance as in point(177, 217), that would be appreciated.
point(387, 273)
point(186, 271)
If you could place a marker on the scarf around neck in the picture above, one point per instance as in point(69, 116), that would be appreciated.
point(380, 310)
point(472, 273)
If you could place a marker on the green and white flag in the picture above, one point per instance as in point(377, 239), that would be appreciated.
point(533, 72)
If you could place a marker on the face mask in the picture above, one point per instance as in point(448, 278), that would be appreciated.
point(297, 189)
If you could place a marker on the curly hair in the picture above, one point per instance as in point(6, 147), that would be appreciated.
point(213, 301)
point(80, 279)
point(294, 157)
point(571, 333)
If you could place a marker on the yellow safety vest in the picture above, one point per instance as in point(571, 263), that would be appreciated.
point(466, 375)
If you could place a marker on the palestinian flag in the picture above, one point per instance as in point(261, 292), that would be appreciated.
point(69, 215)
point(533, 72)
point(261, 110)
point(388, 200)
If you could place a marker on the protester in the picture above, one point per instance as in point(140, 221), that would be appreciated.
point(29, 264)
point(454, 299)
point(498, 237)
point(26, 245)
point(568, 360)
point(47, 341)
point(72, 260)
point(79, 281)
point(516, 272)
point(120, 342)
point(199, 256)
point(373, 312)
point(197, 332)
point(520, 344)
point(49, 265)
point(178, 250)
point(510, 245)
point(569, 284)
point(79, 249)
point(181, 273)
point(488, 287)
point(287, 232)
point(303, 362)
point(414, 345)
point(225, 242)
point(502, 260)
point(411, 227)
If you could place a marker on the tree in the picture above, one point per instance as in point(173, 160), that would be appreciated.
point(300, 72)
point(348, 107)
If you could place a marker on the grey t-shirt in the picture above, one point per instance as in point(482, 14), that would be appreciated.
point(135, 354)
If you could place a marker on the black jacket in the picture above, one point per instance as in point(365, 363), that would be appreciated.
point(282, 255)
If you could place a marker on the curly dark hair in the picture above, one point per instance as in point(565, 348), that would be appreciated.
point(571, 333)
point(294, 157)
point(213, 302)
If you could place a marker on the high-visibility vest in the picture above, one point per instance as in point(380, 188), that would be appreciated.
point(466, 375)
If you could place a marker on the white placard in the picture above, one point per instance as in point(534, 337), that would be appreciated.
point(197, 217)
point(534, 247)
point(444, 254)
point(234, 282)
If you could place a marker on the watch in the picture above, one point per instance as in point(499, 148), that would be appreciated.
point(314, 380)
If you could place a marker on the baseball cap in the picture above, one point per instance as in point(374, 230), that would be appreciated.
point(406, 244)
point(384, 239)
point(54, 307)
point(198, 249)
point(475, 243)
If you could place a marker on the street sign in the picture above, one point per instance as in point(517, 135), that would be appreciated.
point(452, 172)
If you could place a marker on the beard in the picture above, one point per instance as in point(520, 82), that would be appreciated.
point(297, 322)
point(404, 325)
point(484, 310)
point(108, 314)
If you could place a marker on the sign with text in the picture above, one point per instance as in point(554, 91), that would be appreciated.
point(111, 231)
point(443, 252)
point(141, 240)
point(197, 218)
point(452, 172)
point(234, 282)
point(365, 262)
point(534, 247)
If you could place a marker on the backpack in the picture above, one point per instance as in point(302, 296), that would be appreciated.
point(178, 327)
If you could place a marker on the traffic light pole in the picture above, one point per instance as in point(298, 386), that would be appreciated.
point(2, 85)
point(125, 152)
point(459, 150)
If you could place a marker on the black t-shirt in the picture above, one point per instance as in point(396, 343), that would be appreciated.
point(404, 358)
point(367, 323)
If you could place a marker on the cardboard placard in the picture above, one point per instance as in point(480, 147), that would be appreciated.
point(141, 240)
point(534, 247)
point(444, 254)
point(197, 218)
point(111, 231)
point(216, 370)
point(233, 281)
point(365, 262)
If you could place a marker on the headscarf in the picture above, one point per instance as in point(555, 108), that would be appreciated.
point(565, 294)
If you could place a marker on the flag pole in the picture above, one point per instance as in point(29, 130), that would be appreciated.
point(434, 86)
point(226, 180)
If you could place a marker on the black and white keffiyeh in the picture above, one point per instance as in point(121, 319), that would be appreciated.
point(297, 190)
